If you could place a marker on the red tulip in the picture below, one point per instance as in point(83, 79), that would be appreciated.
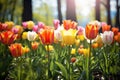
point(91, 31)
point(47, 36)
point(16, 49)
point(7, 37)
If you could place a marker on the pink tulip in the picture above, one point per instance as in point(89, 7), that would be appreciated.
point(41, 25)
point(56, 23)
point(35, 28)
point(24, 24)
point(15, 30)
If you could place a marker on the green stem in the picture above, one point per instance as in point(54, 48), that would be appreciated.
point(88, 63)
point(48, 62)
point(69, 61)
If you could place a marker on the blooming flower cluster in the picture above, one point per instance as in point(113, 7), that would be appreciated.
point(85, 42)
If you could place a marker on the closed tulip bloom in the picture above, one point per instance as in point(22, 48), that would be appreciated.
point(16, 49)
point(115, 30)
point(24, 35)
point(56, 24)
point(73, 59)
point(73, 51)
point(105, 27)
point(68, 36)
point(91, 31)
point(10, 24)
point(107, 37)
point(7, 37)
point(34, 45)
point(3, 26)
point(67, 24)
point(117, 37)
point(30, 25)
point(31, 35)
point(47, 36)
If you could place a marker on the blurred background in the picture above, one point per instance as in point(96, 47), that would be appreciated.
point(81, 11)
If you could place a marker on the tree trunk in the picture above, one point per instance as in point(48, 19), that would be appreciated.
point(97, 10)
point(117, 14)
point(59, 11)
point(70, 10)
point(27, 10)
point(13, 9)
point(108, 13)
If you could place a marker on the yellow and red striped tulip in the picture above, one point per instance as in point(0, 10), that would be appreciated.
point(47, 36)
point(16, 50)
point(7, 37)
point(67, 24)
point(91, 31)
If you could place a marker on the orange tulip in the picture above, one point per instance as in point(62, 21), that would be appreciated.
point(34, 45)
point(117, 37)
point(47, 36)
point(7, 37)
point(106, 28)
point(115, 30)
point(91, 31)
point(67, 24)
point(95, 45)
point(16, 49)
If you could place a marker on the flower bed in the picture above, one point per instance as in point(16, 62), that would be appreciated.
point(62, 52)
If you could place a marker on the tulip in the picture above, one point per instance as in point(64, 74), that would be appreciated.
point(7, 37)
point(107, 37)
point(16, 49)
point(91, 31)
point(30, 25)
point(31, 35)
point(105, 27)
point(73, 51)
point(94, 45)
point(34, 45)
point(117, 37)
point(10, 24)
point(3, 26)
point(41, 25)
point(26, 49)
point(68, 36)
point(67, 24)
point(24, 35)
point(35, 28)
point(115, 30)
point(99, 41)
point(73, 59)
point(24, 24)
point(56, 24)
point(57, 34)
point(47, 36)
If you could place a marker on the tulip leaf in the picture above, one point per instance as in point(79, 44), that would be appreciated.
point(63, 69)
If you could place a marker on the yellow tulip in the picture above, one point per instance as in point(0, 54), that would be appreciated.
point(73, 51)
point(68, 36)
point(81, 37)
point(86, 52)
point(24, 35)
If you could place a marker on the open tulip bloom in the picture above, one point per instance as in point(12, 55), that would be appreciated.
point(59, 52)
